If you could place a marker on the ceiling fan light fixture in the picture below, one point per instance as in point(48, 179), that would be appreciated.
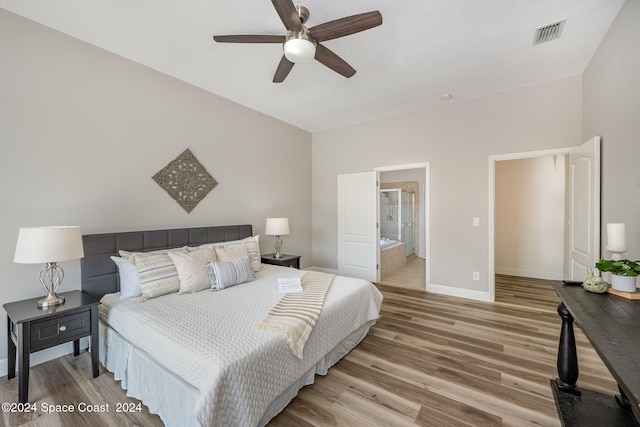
point(299, 47)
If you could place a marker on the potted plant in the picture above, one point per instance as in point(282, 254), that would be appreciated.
point(624, 273)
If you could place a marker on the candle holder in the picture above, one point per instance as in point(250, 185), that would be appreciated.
point(616, 252)
point(616, 240)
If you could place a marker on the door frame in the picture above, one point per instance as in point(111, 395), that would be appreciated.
point(566, 151)
point(425, 206)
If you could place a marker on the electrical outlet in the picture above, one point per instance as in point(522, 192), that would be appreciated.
point(476, 275)
point(476, 222)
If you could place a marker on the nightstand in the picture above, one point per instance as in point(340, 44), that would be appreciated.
point(285, 260)
point(31, 329)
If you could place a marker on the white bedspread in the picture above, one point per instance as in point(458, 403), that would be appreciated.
point(211, 340)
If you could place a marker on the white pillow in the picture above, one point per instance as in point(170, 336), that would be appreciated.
point(223, 275)
point(235, 249)
point(129, 255)
point(192, 270)
point(129, 278)
point(229, 253)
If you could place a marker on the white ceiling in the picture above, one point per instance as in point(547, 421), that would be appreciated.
point(468, 48)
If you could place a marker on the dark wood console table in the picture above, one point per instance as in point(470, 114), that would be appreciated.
point(612, 325)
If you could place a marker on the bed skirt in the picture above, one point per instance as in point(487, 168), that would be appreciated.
point(172, 398)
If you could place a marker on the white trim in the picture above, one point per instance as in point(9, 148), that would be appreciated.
point(459, 292)
point(492, 201)
point(545, 275)
point(402, 167)
point(426, 204)
point(46, 355)
point(532, 154)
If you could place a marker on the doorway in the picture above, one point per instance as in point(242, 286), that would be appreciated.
point(404, 214)
point(530, 217)
point(358, 221)
point(582, 207)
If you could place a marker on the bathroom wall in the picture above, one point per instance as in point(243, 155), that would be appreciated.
point(389, 214)
point(412, 180)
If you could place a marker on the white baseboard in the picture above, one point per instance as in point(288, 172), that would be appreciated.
point(459, 292)
point(46, 355)
point(519, 272)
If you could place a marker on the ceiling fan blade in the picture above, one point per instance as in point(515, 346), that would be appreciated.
point(283, 70)
point(333, 61)
point(249, 39)
point(288, 14)
point(345, 26)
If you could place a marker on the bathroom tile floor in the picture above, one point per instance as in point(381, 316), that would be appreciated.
point(410, 276)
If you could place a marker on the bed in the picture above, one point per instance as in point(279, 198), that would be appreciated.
point(199, 359)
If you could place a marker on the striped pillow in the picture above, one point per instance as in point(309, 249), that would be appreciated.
point(223, 275)
point(158, 274)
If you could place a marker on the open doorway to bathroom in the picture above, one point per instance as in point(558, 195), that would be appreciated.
point(403, 226)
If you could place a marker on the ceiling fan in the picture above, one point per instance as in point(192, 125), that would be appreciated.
point(302, 44)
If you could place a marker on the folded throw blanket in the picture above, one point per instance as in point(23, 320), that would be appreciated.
point(296, 314)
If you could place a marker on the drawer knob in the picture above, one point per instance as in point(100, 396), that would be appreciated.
point(63, 328)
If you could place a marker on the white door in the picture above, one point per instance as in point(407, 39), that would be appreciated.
point(584, 208)
point(358, 225)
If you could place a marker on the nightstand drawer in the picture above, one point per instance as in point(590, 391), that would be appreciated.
point(47, 333)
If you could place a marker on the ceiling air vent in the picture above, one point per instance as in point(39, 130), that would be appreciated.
point(548, 32)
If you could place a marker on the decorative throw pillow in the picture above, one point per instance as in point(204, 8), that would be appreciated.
point(158, 274)
point(191, 267)
point(129, 255)
point(129, 278)
point(239, 248)
point(229, 253)
point(223, 275)
point(253, 249)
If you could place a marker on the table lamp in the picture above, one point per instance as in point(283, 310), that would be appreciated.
point(49, 245)
point(277, 227)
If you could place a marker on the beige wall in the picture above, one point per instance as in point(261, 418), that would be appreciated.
point(530, 217)
point(457, 139)
point(82, 131)
point(612, 110)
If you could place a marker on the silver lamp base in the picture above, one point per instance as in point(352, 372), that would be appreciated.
point(277, 245)
point(50, 300)
point(50, 278)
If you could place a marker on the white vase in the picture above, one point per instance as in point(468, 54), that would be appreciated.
point(623, 283)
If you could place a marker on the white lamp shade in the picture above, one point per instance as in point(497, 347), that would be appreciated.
point(299, 50)
point(38, 245)
point(277, 227)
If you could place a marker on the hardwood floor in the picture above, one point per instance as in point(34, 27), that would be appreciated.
point(431, 360)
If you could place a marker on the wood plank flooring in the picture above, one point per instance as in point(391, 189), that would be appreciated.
point(431, 360)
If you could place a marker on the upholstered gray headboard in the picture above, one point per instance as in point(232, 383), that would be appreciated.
point(99, 273)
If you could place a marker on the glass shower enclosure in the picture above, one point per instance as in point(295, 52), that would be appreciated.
point(397, 217)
